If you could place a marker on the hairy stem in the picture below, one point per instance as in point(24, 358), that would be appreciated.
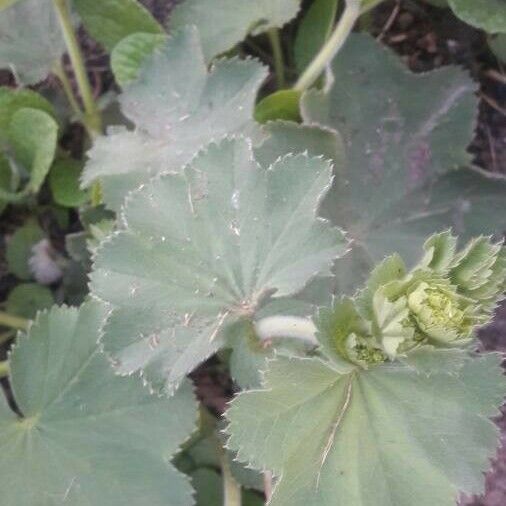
point(14, 322)
point(4, 369)
point(334, 43)
point(286, 326)
point(92, 118)
point(231, 489)
point(277, 53)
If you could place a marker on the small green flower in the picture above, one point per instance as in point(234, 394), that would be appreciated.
point(441, 314)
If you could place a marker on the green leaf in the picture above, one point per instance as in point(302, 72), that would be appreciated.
point(177, 108)
point(110, 21)
point(284, 137)
point(30, 39)
point(406, 137)
point(489, 15)
point(282, 105)
point(12, 100)
point(202, 251)
point(130, 53)
point(28, 298)
point(33, 136)
point(224, 23)
point(313, 31)
point(19, 248)
point(86, 436)
point(64, 183)
point(373, 437)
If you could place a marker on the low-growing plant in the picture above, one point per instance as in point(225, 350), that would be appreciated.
point(321, 246)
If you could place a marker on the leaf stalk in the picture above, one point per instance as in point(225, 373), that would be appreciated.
point(293, 327)
point(92, 118)
point(14, 322)
point(4, 369)
point(333, 45)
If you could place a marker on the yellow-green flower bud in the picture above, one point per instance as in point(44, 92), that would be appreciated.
point(441, 313)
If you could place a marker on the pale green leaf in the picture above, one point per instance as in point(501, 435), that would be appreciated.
point(110, 21)
point(313, 31)
point(19, 248)
point(406, 175)
point(130, 53)
point(28, 298)
point(224, 23)
point(371, 438)
point(86, 436)
point(31, 41)
point(203, 250)
point(489, 15)
point(177, 108)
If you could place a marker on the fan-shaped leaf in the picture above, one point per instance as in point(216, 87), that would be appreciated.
point(374, 437)
point(406, 137)
point(177, 108)
point(86, 436)
point(202, 251)
point(224, 23)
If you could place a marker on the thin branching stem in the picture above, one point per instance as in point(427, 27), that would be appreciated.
point(334, 43)
point(92, 118)
point(13, 322)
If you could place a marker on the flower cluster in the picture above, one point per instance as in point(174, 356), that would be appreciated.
point(441, 302)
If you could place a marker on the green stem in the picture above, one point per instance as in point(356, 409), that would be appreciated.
point(14, 322)
point(277, 53)
point(59, 71)
point(92, 119)
point(231, 489)
point(334, 43)
point(4, 369)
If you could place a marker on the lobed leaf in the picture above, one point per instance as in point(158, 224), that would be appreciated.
point(177, 108)
point(204, 250)
point(224, 23)
point(86, 436)
point(406, 177)
point(371, 437)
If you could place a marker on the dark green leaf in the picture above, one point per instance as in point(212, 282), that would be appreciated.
point(313, 31)
point(64, 183)
point(28, 298)
point(19, 248)
point(110, 21)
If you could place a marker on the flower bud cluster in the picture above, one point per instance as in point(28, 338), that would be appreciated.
point(441, 301)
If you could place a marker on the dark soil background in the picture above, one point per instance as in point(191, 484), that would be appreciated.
point(425, 37)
